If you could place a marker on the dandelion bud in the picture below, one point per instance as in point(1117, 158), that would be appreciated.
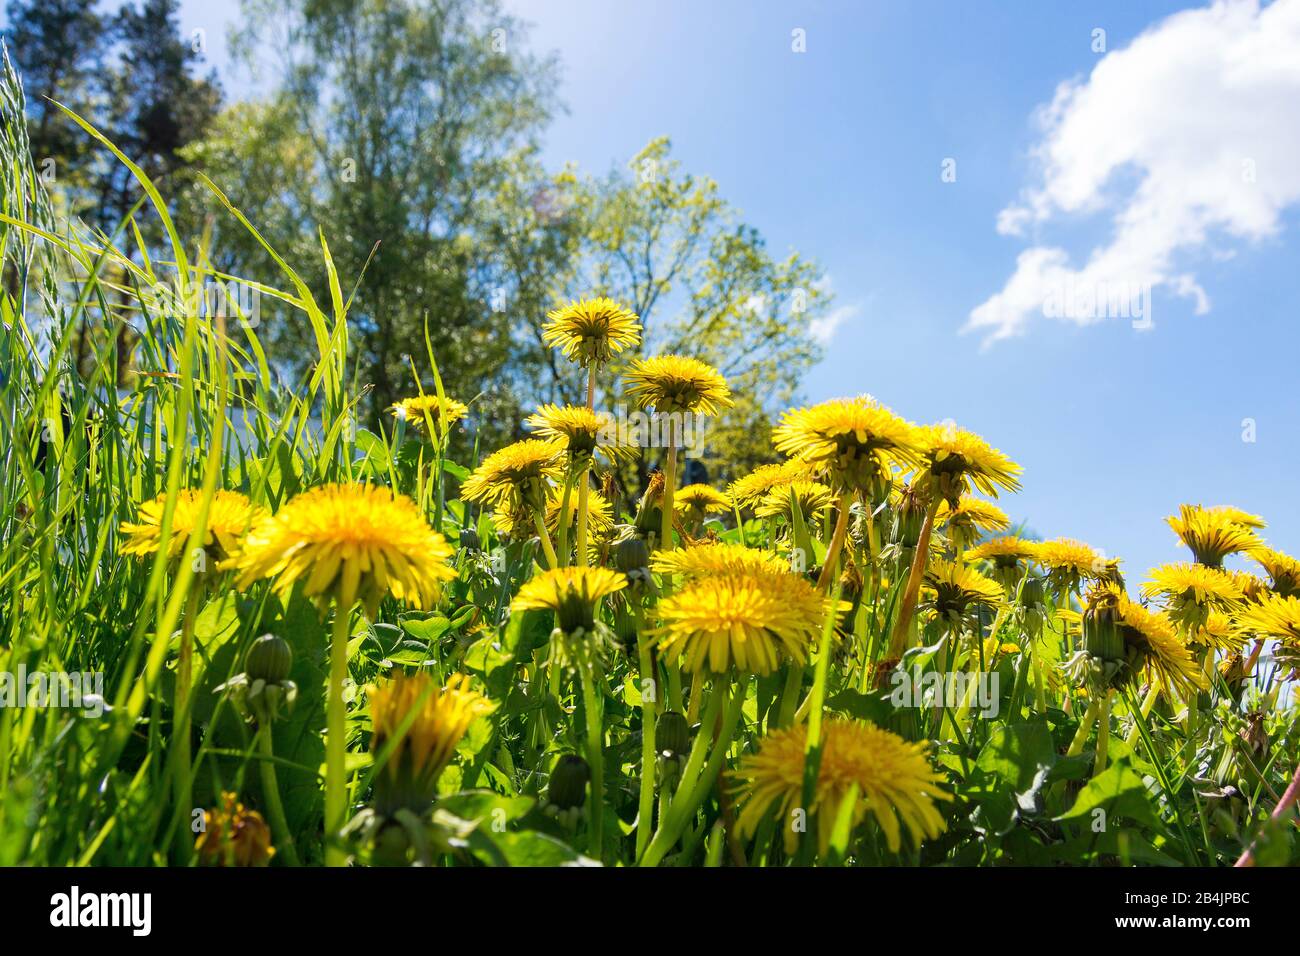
point(672, 734)
point(1101, 627)
point(630, 554)
point(469, 539)
point(269, 659)
point(568, 787)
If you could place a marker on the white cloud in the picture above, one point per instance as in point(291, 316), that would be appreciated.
point(1188, 137)
point(823, 329)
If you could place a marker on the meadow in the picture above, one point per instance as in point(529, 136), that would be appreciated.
point(273, 628)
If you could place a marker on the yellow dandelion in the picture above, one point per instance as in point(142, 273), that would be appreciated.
point(1237, 516)
point(583, 432)
point(956, 460)
point(694, 502)
point(1068, 562)
point(973, 516)
point(675, 383)
point(1253, 587)
point(439, 718)
point(1213, 533)
point(750, 620)
point(572, 593)
point(1276, 616)
point(518, 474)
point(721, 558)
point(233, 835)
point(1192, 582)
point(1152, 645)
point(894, 781)
point(600, 514)
point(951, 591)
point(747, 492)
point(591, 330)
point(229, 516)
point(1005, 552)
point(348, 542)
point(1217, 633)
point(850, 440)
point(443, 412)
point(811, 496)
point(1282, 569)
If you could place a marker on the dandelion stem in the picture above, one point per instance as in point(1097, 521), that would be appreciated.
point(1103, 733)
point(595, 755)
point(837, 540)
point(682, 809)
point(649, 679)
point(903, 625)
point(562, 530)
point(336, 733)
point(547, 548)
point(1148, 702)
point(271, 793)
point(584, 486)
point(670, 482)
point(184, 685)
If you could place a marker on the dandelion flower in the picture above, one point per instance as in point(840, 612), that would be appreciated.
point(1213, 533)
point(1276, 616)
point(1005, 553)
point(750, 620)
point(340, 540)
point(591, 330)
point(517, 474)
point(951, 590)
point(748, 491)
point(706, 559)
point(973, 516)
point(439, 716)
point(1191, 591)
point(1068, 562)
point(894, 780)
point(233, 835)
point(956, 460)
point(1217, 633)
point(573, 593)
point(600, 513)
point(675, 383)
point(1282, 569)
point(812, 497)
point(229, 516)
point(443, 412)
point(1151, 644)
point(849, 439)
point(694, 502)
point(583, 432)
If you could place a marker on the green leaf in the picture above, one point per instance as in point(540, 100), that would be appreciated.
point(1121, 792)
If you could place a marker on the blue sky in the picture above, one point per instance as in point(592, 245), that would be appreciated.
point(1139, 174)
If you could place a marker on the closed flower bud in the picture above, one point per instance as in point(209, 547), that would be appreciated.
point(568, 786)
point(469, 539)
point(1102, 638)
point(269, 659)
point(672, 734)
point(631, 554)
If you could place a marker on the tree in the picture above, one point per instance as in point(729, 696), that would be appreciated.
point(665, 243)
point(393, 119)
point(58, 48)
point(156, 105)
